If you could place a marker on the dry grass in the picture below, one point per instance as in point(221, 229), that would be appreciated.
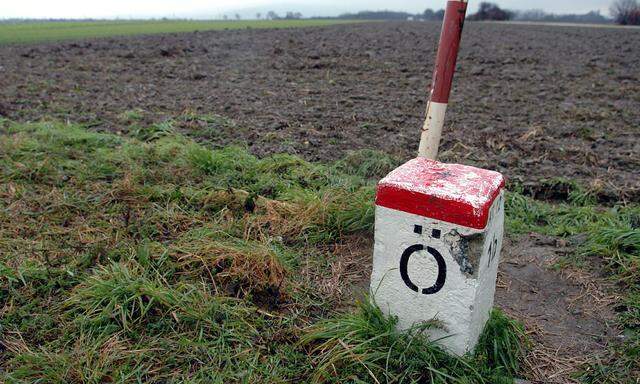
point(343, 276)
point(246, 266)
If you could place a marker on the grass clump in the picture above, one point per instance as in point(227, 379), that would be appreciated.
point(88, 359)
point(502, 344)
point(124, 297)
point(368, 163)
point(124, 294)
point(206, 127)
point(154, 131)
point(365, 346)
point(241, 266)
point(560, 189)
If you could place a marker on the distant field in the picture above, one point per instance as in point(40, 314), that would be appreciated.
point(33, 32)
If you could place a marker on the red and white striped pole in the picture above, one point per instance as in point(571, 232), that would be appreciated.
point(442, 77)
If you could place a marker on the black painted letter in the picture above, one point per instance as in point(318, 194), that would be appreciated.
point(442, 269)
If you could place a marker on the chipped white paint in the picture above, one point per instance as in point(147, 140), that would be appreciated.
point(432, 130)
point(470, 256)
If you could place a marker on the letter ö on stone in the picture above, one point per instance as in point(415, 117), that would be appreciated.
point(438, 234)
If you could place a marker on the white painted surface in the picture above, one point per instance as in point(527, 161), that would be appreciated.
point(465, 300)
point(432, 130)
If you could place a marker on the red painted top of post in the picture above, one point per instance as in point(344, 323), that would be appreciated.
point(454, 193)
point(448, 51)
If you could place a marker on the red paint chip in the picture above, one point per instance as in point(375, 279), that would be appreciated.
point(454, 193)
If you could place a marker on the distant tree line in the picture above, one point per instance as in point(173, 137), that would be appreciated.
point(428, 14)
point(272, 15)
point(491, 11)
point(486, 11)
point(538, 15)
point(376, 15)
point(626, 12)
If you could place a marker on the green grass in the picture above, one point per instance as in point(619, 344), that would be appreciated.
point(33, 32)
point(502, 345)
point(367, 346)
point(151, 257)
point(610, 232)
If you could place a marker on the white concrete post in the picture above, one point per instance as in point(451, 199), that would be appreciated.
point(438, 234)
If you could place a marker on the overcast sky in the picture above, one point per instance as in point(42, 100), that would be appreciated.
point(215, 8)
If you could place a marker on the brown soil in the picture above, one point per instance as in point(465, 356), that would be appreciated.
point(533, 102)
point(567, 312)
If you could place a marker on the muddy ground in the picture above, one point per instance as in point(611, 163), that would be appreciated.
point(534, 102)
point(567, 312)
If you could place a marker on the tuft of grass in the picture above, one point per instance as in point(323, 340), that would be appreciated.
point(242, 265)
point(502, 344)
point(155, 131)
point(368, 163)
point(124, 294)
point(208, 127)
point(524, 214)
point(132, 115)
point(88, 359)
point(365, 346)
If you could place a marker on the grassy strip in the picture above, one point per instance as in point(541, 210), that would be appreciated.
point(367, 345)
point(157, 259)
point(34, 32)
